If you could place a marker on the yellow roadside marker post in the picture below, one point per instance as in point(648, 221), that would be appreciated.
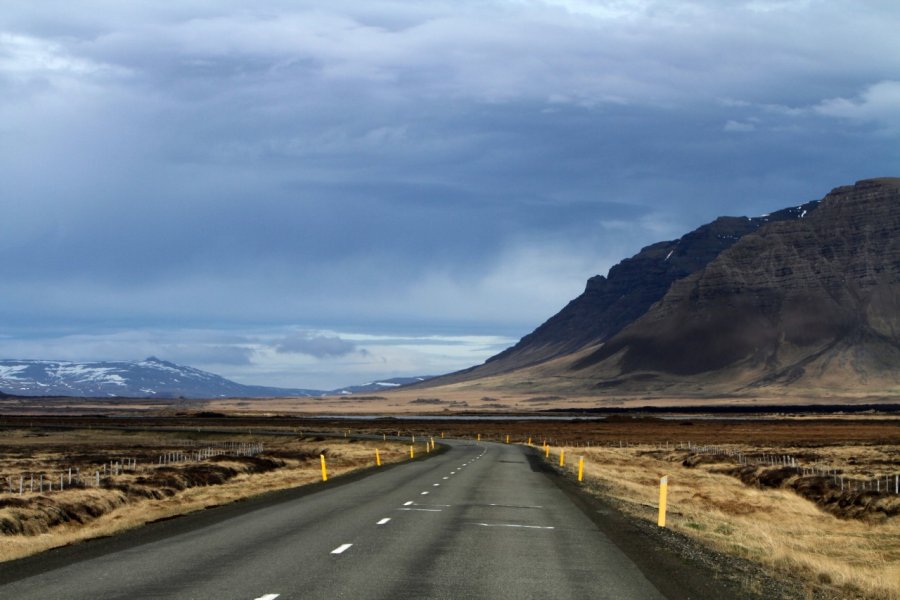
point(442, 435)
point(663, 492)
point(479, 437)
point(529, 440)
point(412, 453)
point(562, 458)
point(377, 458)
point(546, 451)
point(432, 443)
point(324, 472)
point(507, 438)
point(580, 468)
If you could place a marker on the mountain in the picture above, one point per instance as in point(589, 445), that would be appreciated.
point(610, 303)
point(147, 378)
point(813, 303)
point(807, 298)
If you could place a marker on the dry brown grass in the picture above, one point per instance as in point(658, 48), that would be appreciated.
point(850, 558)
point(34, 522)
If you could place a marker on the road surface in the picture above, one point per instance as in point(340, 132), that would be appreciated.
point(476, 521)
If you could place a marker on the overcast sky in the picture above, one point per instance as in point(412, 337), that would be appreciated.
point(315, 194)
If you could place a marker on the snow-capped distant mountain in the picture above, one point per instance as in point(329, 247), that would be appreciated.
point(379, 386)
point(150, 378)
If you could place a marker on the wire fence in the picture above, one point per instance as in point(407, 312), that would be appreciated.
point(837, 478)
point(69, 477)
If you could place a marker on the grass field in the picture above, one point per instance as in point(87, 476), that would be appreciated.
point(764, 489)
point(841, 544)
point(120, 480)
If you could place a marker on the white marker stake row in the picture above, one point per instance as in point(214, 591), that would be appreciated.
point(340, 549)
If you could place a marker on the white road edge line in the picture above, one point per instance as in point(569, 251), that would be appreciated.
point(340, 549)
point(422, 509)
point(383, 521)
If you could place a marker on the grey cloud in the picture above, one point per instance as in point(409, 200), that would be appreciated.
point(878, 103)
point(185, 346)
point(381, 164)
point(316, 345)
point(208, 355)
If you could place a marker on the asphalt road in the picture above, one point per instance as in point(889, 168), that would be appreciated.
point(473, 522)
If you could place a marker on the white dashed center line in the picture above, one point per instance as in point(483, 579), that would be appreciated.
point(445, 478)
point(407, 503)
point(422, 509)
point(268, 597)
point(383, 521)
point(435, 485)
point(340, 549)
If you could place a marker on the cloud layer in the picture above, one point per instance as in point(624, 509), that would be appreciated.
point(357, 167)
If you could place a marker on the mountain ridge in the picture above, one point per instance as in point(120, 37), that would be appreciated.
point(810, 302)
point(806, 300)
point(611, 302)
point(148, 378)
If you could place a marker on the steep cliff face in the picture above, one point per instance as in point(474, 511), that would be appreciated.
point(610, 303)
point(814, 299)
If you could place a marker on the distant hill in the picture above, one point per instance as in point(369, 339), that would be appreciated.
point(150, 378)
point(378, 386)
point(807, 297)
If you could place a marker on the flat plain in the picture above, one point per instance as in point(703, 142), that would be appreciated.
point(810, 499)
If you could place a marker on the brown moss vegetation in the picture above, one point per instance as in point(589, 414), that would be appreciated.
point(34, 521)
point(870, 505)
point(838, 544)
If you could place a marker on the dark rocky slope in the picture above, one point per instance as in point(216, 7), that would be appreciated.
point(813, 300)
point(610, 303)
